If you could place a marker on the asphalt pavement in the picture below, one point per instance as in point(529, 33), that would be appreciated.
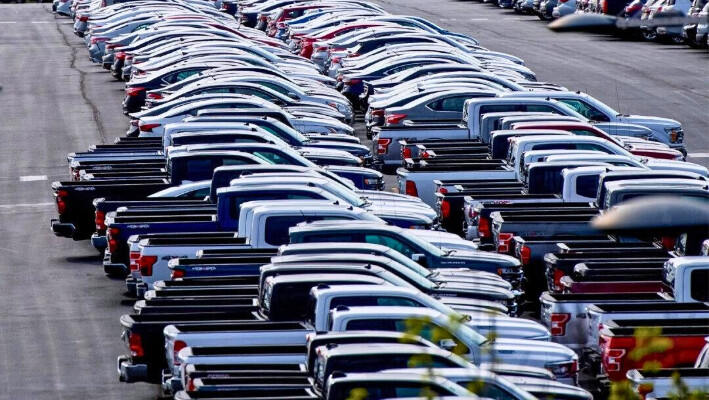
point(59, 329)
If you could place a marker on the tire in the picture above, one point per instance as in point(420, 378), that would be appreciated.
point(677, 40)
point(649, 35)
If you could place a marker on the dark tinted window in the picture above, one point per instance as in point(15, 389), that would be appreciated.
point(390, 242)
point(237, 201)
point(196, 194)
point(198, 169)
point(698, 290)
point(362, 301)
point(545, 180)
point(586, 110)
point(587, 186)
point(277, 227)
point(371, 325)
point(339, 237)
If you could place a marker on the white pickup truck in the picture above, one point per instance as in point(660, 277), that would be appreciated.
point(455, 336)
point(262, 225)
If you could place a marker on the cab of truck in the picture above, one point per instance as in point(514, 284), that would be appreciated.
point(685, 279)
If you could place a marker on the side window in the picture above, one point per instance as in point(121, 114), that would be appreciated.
point(198, 169)
point(371, 325)
point(139, 27)
point(390, 242)
point(698, 289)
point(273, 86)
point(453, 103)
point(582, 132)
point(185, 74)
point(341, 237)
point(396, 301)
point(217, 90)
point(429, 331)
point(593, 147)
point(232, 161)
point(586, 110)
point(553, 146)
point(272, 157)
point(196, 194)
point(587, 186)
point(540, 109)
point(435, 105)
point(276, 232)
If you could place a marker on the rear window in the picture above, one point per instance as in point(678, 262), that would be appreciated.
point(587, 186)
point(545, 180)
point(277, 227)
point(237, 201)
point(698, 290)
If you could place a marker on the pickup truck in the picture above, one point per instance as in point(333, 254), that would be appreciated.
point(562, 361)
point(664, 130)
point(566, 314)
point(144, 332)
point(75, 199)
point(411, 246)
point(252, 225)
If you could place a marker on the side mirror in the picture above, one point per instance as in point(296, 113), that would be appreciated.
point(419, 258)
point(447, 344)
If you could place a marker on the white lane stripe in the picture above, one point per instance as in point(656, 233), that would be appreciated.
point(444, 19)
point(30, 178)
point(479, 19)
point(8, 22)
point(698, 155)
point(21, 205)
point(40, 22)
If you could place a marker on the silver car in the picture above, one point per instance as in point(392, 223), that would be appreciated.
point(444, 106)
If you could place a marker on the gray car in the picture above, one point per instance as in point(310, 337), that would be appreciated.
point(444, 106)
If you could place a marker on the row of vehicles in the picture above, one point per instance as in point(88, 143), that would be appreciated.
point(267, 261)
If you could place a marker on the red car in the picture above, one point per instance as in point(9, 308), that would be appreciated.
point(306, 42)
point(638, 146)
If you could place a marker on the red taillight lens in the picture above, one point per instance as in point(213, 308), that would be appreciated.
point(442, 190)
point(558, 324)
point(614, 359)
point(668, 242)
point(525, 254)
point(445, 209)
point(558, 274)
point(135, 345)
point(426, 154)
point(395, 118)
point(406, 152)
point(484, 228)
point(100, 220)
point(134, 91)
point(379, 112)
point(179, 345)
point(503, 242)
point(133, 257)
point(190, 384)
point(352, 81)
point(84, 18)
point(383, 146)
point(61, 204)
point(177, 273)
point(95, 40)
point(145, 264)
point(147, 127)
point(113, 234)
point(121, 55)
point(335, 60)
point(411, 188)
point(154, 96)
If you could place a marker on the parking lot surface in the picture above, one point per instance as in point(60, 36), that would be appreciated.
point(59, 329)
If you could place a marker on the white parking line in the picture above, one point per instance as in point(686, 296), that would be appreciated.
point(23, 205)
point(30, 178)
point(444, 19)
point(698, 155)
point(8, 22)
point(40, 22)
point(479, 19)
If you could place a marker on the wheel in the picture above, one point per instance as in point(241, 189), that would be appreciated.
point(649, 35)
point(677, 40)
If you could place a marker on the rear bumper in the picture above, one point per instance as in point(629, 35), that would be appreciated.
point(129, 372)
point(141, 288)
point(99, 242)
point(62, 229)
point(131, 285)
point(170, 383)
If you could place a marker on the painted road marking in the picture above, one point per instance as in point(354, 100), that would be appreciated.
point(31, 178)
point(23, 205)
point(479, 19)
point(8, 22)
point(698, 155)
point(40, 22)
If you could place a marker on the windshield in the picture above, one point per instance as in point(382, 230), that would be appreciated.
point(408, 263)
point(423, 244)
point(346, 194)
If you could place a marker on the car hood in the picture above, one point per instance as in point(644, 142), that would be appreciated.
point(648, 121)
point(355, 149)
point(472, 290)
point(532, 353)
point(376, 194)
point(673, 165)
point(502, 326)
point(469, 276)
point(385, 209)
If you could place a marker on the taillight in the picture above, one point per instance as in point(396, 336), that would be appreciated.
point(145, 263)
point(335, 60)
point(135, 345)
point(100, 220)
point(442, 190)
point(133, 260)
point(406, 152)
point(395, 118)
point(668, 242)
point(147, 127)
point(352, 81)
point(411, 188)
point(179, 345)
point(564, 369)
point(113, 234)
point(614, 359)
point(121, 55)
point(61, 204)
point(379, 112)
point(154, 96)
point(558, 274)
point(503, 242)
point(95, 40)
point(190, 384)
point(383, 146)
point(604, 6)
point(134, 91)
point(177, 273)
point(525, 254)
point(644, 389)
point(484, 228)
point(445, 209)
point(84, 18)
point(426, 154)
point(558, 324)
